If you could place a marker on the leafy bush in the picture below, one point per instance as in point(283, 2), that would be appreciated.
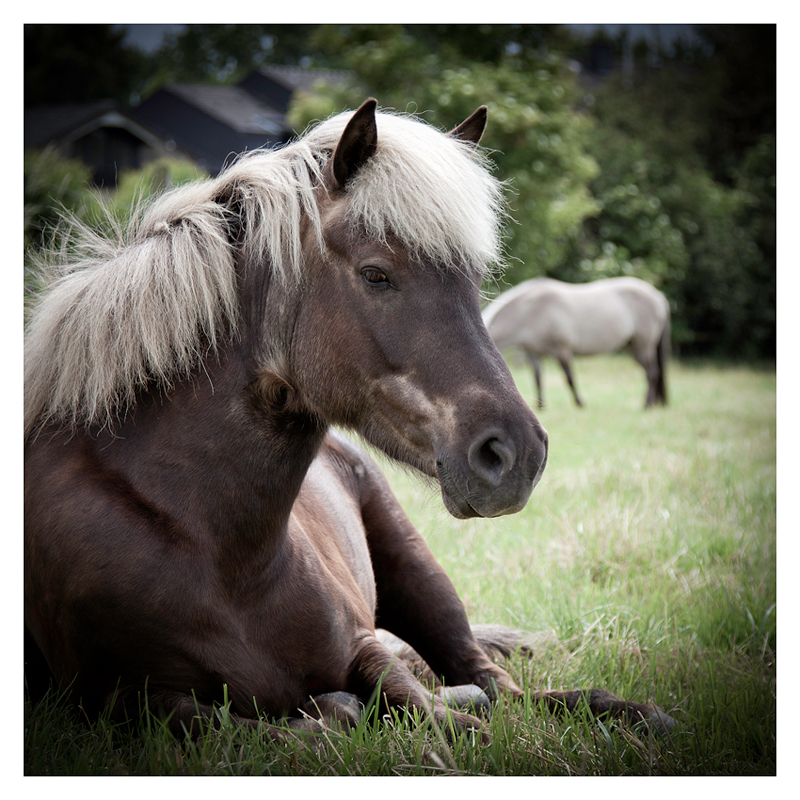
point(56, 186)
point(52, 184)
point(154, 177)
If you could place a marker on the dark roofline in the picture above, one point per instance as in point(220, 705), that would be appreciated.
point(233, 106)
point(210, 141)
point(67, 123)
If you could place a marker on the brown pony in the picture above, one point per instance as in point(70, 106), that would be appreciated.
point(192, 522)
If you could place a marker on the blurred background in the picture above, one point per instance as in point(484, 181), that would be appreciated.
point(644, 150)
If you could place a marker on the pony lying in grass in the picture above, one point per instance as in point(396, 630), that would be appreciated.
point(192, 523)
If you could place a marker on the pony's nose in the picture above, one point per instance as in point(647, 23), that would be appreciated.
point(491, 458)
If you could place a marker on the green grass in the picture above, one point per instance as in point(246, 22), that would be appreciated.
point(645, 561)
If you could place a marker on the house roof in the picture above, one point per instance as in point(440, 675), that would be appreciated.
point(42, 125)
point(206, 122)
point(210, 123)
point(232, 106)
point(70, 122)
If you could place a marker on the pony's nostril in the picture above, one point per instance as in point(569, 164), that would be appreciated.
point(491, 460)
point(489, 455)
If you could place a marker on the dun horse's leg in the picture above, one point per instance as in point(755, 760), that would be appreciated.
point(649, 364)
point(651, 372)
point(652, 383)
point(565, 365)
point(416, 599)
point(655, 383)
point(537, 374)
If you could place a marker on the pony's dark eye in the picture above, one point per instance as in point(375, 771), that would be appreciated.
point(375, 277)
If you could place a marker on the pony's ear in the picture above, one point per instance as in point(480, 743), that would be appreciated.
point(356, 145)
point(472, 128)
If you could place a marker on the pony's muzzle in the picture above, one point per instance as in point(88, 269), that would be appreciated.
point(498, 477)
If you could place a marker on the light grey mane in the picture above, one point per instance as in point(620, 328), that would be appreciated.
point(145, 302)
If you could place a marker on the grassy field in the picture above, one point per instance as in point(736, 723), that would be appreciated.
point(646, 563)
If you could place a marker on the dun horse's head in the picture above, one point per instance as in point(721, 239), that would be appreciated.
point(388, 337)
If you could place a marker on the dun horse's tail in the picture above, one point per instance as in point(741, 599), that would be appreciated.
point(662, 355)
point(497, 641)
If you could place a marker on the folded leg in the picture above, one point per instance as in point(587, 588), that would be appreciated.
point(416, 600)
point(375, 666)
point(603, 703)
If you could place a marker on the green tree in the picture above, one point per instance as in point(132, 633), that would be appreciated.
point(675, 210)
point(137, 185)
point(204, 53)
point(79, 64)
point(738, 82)
point(539, 145)
point(634, 232)
point(536, 137)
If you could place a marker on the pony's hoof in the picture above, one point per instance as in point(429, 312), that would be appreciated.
point(334, 707)
point(466, 696)
point(662, 723)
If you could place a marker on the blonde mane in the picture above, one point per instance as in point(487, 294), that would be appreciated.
point(147, 302)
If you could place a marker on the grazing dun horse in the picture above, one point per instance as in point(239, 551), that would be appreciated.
point(192, 522)
point(545, 317)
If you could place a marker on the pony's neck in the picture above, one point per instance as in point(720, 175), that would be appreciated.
point(221, 456)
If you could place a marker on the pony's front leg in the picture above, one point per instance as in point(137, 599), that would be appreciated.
point(376, 667)
point(185, 715)
point(603, 703)
point(417, 601)
point(333, 709)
